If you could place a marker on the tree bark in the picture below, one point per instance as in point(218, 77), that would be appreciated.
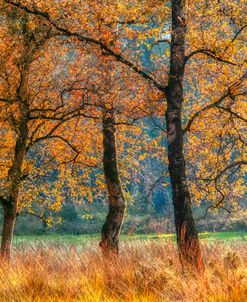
point(113, 224)
point(8, 229)
point(187, 236)
point(10, 204)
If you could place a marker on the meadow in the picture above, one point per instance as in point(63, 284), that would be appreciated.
point(82, 239)
point(56, 268)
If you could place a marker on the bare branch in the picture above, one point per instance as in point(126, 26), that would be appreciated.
point(40, 217)
point(208, 53)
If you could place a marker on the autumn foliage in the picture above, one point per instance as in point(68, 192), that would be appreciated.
point(81, 81)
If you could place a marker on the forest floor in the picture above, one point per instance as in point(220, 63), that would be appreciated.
point(52, 269)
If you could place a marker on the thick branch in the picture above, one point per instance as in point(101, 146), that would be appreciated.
point(91, 41)
point(198, 113)
point(208, 53)
point(232, 113)
point(217, 104)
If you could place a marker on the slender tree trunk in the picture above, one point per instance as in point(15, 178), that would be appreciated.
point(10, 204)
point(9, 218)
point(187, 236)
point(113, 224)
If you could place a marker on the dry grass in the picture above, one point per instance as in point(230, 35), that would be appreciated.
point(145, 271)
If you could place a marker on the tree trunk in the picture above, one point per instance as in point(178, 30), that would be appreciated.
point(113, 224)
point(10, 204)
point(187, 236)
point(9, 211)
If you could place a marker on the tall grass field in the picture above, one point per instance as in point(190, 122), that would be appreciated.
point(72, 268)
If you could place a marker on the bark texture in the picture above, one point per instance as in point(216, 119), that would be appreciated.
point(187, 236)
point(8, 228)
point(113, 224)
point(10, 204)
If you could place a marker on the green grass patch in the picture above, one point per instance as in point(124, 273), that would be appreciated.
point(55, 239)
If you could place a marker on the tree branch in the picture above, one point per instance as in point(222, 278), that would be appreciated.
point(92, 41)
point(198, 113)
point(40, 217)
point(222, 172)
point(218, 103)
point(232, 113)
point(208, 53)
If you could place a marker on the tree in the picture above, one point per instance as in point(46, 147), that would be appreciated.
point(111, 101)
point(17, 95)
point(33, 112)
